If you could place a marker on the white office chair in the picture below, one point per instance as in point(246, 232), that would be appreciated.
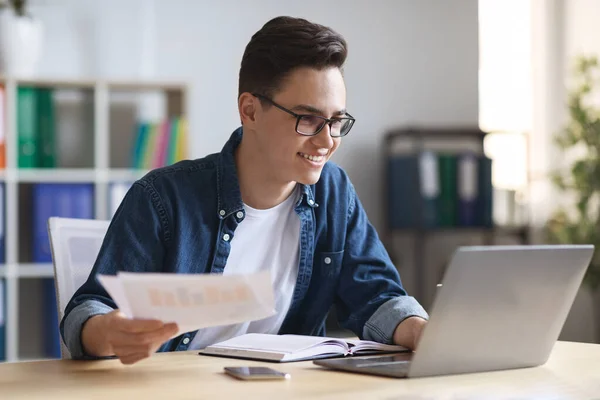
point(75, 244)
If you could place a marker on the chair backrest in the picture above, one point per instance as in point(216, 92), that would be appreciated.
point(75, 244)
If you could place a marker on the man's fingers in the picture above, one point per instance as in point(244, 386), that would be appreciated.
point(132, 354)
point(132, 340)
point(132, 359)
point(158, 336)
point(130, 351)
point(124, 338)
point(171, 329)
point(138, 325)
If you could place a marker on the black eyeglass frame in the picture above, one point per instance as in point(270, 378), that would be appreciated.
point(327, 121)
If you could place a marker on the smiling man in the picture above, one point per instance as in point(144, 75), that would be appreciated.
point(270, 200)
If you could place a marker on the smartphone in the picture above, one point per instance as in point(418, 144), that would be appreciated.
point(255, 373)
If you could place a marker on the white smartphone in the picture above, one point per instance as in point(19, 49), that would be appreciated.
point(255, 373)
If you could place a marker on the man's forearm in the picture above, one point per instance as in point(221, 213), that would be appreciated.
point(409, 331)
point(383, 325)
point(93, 338)
point(75, 320)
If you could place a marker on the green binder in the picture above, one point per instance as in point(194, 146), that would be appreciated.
point(447, 210)
point(46, 128)
point(27, 127)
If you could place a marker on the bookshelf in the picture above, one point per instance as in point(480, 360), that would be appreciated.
point(95, 129)
point(415, 228)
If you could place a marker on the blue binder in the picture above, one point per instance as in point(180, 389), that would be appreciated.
point(413, 190)
point(403, 186)
point(2, 319)
point(55, 200)
point(485, 205)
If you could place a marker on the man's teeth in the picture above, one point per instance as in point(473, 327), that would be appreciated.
point(312, 158)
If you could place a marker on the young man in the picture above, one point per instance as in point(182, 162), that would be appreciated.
point(269, 200)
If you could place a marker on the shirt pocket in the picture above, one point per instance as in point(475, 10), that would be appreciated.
point(331, 263)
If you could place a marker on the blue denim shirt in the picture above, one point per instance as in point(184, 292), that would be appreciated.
point(176, 220)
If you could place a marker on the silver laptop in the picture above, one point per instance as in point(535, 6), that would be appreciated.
point(499, 307)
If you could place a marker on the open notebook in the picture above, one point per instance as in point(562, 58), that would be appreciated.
point(284, 348)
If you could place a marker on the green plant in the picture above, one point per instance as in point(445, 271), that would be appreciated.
point(19, 6)
point(580, 141)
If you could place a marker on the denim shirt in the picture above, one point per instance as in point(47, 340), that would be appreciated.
point(182, 218)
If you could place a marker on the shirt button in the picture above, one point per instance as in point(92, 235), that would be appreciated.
point(222, 213)
point(311, 202)
point(240, 215)
point(226, 237)
point(186, 340)
point(327, 260)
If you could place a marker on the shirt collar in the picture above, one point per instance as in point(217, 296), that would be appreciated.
point(229, 198)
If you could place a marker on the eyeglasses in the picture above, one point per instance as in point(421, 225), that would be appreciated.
point(310, 125)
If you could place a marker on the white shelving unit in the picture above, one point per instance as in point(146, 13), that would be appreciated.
point(103, 169)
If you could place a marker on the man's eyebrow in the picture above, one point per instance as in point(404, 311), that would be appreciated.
point(315, 110)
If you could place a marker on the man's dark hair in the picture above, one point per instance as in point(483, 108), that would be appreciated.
point(283, 44)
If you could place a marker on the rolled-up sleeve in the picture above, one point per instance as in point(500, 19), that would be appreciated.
point(382, 324)
point(74, 321)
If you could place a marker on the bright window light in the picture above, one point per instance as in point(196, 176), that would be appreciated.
point(505, 87)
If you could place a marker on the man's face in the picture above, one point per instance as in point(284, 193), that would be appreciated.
point(289, 155)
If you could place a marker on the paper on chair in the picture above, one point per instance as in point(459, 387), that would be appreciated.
point(193, 301)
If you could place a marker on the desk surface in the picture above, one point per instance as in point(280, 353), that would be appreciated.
point(573, 372)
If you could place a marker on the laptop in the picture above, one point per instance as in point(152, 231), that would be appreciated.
point(498, 307)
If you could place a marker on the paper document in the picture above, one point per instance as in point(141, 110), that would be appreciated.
point(193, 301)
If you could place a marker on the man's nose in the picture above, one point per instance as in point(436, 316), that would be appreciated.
point(323, 139)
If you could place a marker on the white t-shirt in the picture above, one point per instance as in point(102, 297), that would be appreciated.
point(264, 240)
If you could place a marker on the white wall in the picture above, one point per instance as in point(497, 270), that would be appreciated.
point(410, 62)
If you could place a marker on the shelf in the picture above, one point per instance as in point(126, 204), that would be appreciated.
point(125, 175)
point(24, 270)
point(144, 85)
point(35, 175)
point(92, 124)
point(76, 175)
point(35, 270)
point(52, 82)
point(424, 133)
point(121, 84)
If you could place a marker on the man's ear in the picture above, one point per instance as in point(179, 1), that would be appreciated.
point(248, 106)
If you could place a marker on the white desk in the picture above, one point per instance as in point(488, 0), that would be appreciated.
point(573, 372)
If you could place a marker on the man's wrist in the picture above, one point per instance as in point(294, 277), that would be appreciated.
point(93, 337)
point(408, 332)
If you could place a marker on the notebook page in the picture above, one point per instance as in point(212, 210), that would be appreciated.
point(364, 345)
point(278, 343)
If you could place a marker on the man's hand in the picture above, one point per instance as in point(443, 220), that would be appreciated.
point(131, 340)
point(409, 331)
